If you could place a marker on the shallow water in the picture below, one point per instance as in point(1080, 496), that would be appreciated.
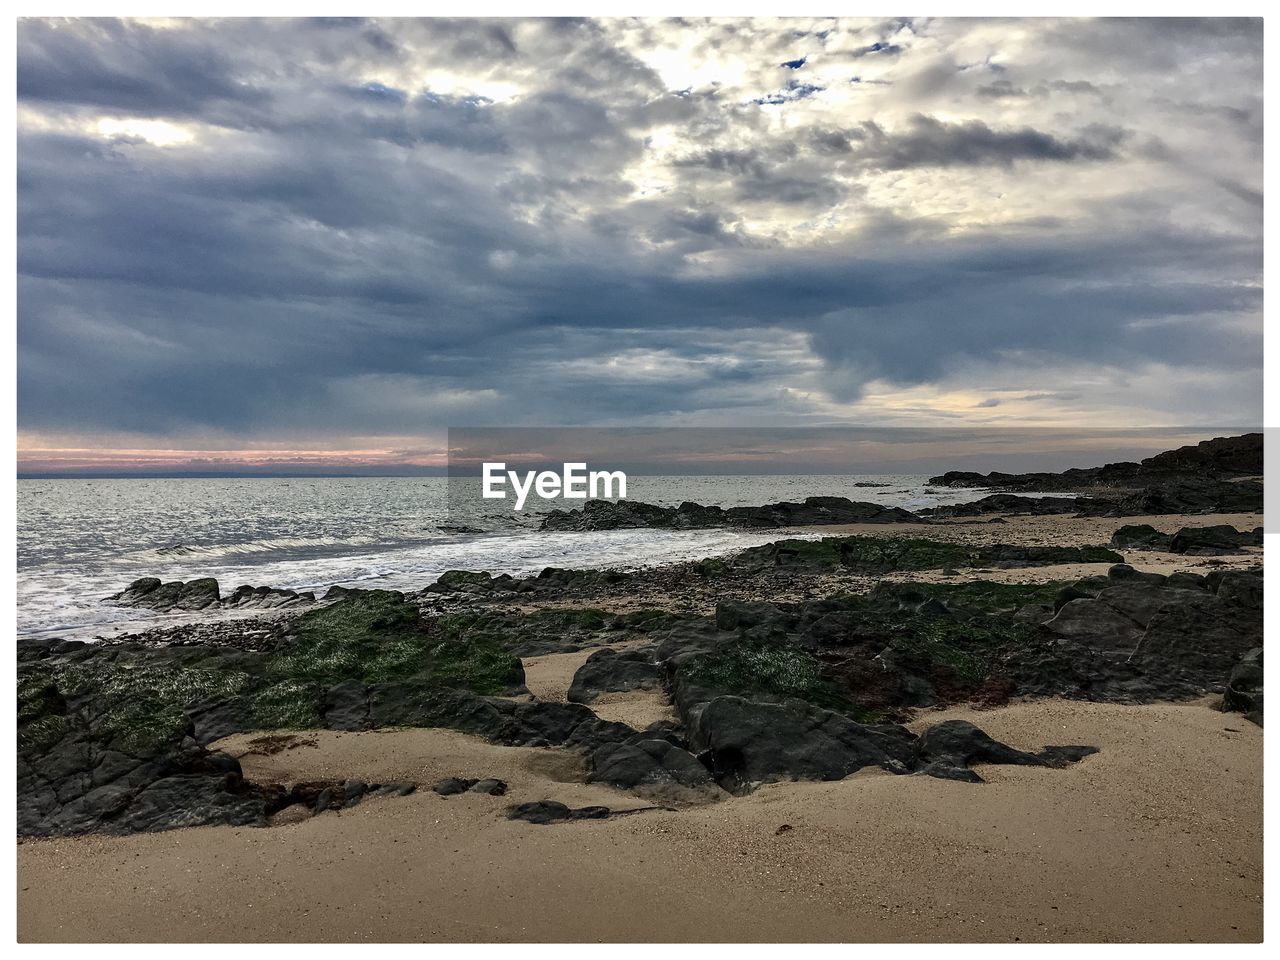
point(81, 540)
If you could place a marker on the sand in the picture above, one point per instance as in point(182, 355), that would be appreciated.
point(1158, 837)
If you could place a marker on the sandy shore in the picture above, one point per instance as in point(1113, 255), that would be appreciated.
point(1158, 837)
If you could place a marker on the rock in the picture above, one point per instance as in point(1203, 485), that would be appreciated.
point(1186, 495)
point(948, 749)
point(266, 598)
point(609, 671)
point(626, 514)
point(470, 582)
point(352, 792)
point(1146, 637)
point(654, 768)
point(450, 786)
point(398, 788)
point(1010, 503)
point(746, 743)
point(1193, 541)
point(1221, 457)
point(150, 593)
point(1140, 536)
point(552, 811)
point(1219, 539)
point(345, 706)
point(202, 594)
point(1244, 687)
point(875, 556)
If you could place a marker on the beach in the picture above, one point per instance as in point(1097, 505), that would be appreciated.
point(1158, 837)
point(1031, 725)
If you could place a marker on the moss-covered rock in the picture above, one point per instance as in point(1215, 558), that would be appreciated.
point(874, 556)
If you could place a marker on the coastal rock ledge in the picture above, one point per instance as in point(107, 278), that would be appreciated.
point(812, 511)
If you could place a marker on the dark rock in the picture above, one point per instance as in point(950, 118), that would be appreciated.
point(949, 748)
point(1012, 504)
point(1222, 457)
point(1146, 637)
point(609, 671)
point(265, 598)
point(624, 514)
point(1185, 495)
point(471, 582)
point(202, 594)
point(352, 792)
point(1140, 536)
point(652, 767)
point(747, 743)
point(1244, 687)
point(875, 556)
point(345, 706)
point(451, 786)
point(1207, 541)
point(397, 788)
point(154, 595)
point(552, 811)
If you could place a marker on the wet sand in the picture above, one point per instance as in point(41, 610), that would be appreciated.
point(1156, 838)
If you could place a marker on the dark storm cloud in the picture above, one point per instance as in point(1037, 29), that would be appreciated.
point(105, 63)
point(350, 244)
point(929, 142)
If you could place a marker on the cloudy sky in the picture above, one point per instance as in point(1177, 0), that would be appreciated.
point(324, 242)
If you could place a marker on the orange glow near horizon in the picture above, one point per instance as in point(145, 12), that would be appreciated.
point(39, 455)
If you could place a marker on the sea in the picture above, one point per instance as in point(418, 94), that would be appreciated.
point(80, 541)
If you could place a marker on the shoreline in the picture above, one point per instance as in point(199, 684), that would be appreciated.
point(1168, 811)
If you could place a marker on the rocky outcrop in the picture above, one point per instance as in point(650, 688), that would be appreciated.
point(1138, 637)
point(1209, 541)
point(1183, 496)
point(115, 737)
point(203, 594)
point(813, 511)
point(1012, 504)
point(654, 763)
point(1192, 541)
point(874, 556)
point(1220, 458)
point(1140, 536)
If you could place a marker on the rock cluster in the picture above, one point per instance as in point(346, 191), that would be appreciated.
point(451, 786)
point(1215, 476)
point(1222, 457)
point(1134, 636)
point(1192, 541)
point(202, 594)
point(626, 514)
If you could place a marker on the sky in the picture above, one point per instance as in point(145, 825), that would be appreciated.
point(307, 245)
